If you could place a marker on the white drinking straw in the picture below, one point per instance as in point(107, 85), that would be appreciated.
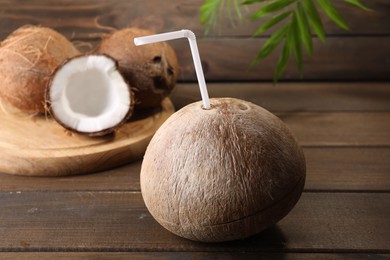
point(195, 56)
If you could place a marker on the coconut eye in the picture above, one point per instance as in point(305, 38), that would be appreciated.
point(242, 107)
point(157, 59)
point(160, 83)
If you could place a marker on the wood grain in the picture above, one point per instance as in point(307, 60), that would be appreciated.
point(108, 221)
point(228, 60)
point(40, 147)
point(344, 127)
point(122, 178)
point(297, 97)
point(331, 168)
point(361, 53)
point(347, 169)
point(187, 255)
point(339, 129)
point(339, 59)
point(90, 18)
point(328, 169)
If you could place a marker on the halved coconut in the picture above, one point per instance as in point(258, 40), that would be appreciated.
point(88, 95)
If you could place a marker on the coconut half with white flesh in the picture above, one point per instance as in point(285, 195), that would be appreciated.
point(88, 95)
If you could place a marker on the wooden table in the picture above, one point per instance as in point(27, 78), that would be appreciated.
point(344, 212)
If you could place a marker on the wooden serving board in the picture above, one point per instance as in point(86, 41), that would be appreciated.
point(41, 147)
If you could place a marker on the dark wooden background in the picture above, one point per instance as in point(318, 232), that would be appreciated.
point(362, 53)
point(339, 112)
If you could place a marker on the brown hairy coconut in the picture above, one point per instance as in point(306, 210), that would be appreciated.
point(222, 174)
point(151, 69)
point(28, 56)
point(88, 95)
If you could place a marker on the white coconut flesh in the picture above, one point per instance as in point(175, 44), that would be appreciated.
point(89, 95)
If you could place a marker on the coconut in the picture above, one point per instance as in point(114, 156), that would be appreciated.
point(88, 95)
point(151, 69)
point(222, 174)
point(28, 56)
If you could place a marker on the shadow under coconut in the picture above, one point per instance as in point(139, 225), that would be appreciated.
point(143, 113)
point(270, 240)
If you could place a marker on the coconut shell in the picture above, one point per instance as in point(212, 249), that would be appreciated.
point(151, 69)
point(222, 174)
point(28, 56)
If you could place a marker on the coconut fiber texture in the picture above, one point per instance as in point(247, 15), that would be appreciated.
point(222, 174)
point(28, 56)
point(152, 69)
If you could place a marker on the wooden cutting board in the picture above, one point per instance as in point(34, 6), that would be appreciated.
point(40, 147)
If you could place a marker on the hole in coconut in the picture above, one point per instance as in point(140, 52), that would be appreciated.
point(157, 59)
point(203, 108)
point(160, 83)
point(243, 107)
point(88, 92)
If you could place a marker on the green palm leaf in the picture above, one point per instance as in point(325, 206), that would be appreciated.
point(271, 43)
point(248, 2)
point(303, 18)
point(271, 8)
point(296, 43)
point(271, 22)
point(209, 13)
point(283, 60)
point(304, 28)
point(358, 4)
point(314, 19)
point(332, 13)
point(211, 9)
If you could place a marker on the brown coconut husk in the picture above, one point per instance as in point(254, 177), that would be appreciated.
point(152, 69)
point(222, 174)
point(28, 57)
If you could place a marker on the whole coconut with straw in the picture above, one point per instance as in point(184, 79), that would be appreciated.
point(28, 57)
point(221, 170)
point(222, 174)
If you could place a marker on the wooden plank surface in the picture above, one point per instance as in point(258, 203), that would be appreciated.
point(361, 53)
point(88, 221)
point(124, 178)
point(344, 128)
point(296, 97)
point(88, 18)
point(105, 211)
point(344, 58)
point(328, 169)
point(348, 169)
point(228, 60)
point(357, 167)
point(355, 129)
point(188, 255)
